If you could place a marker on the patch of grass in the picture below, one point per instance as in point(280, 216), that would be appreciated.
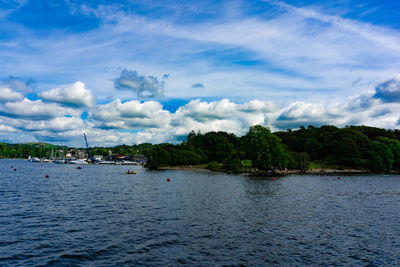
point(214, 166)
point(246, 163)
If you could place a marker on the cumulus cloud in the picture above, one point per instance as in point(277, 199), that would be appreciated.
point(389, 90)
point(133, 121)
point(73, 95)
point(301, 113)
point(34, 110)
point(257, 105)
point(222, 115)
point(144, 87)
point(130, 115)
point(8, 95)
point(56, 125)
point(203, 111)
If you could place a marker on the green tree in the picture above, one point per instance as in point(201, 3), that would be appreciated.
point(263, 148)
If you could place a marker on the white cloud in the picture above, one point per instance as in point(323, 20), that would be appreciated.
point(34, 110)
point(74, 95)
point(203, 111)
point(134, 122)
point(130, 115)
point(59, 124)
point(8, 95)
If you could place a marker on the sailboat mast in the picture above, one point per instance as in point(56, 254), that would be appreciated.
point(87, 147)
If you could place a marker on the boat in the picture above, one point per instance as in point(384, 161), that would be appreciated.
point(78, 161)
point(59, 161)
point(126, 162)
point(105, 162)
point(34, 159)
point(130, 172)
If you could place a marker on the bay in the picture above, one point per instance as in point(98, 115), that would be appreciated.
point(100, 216)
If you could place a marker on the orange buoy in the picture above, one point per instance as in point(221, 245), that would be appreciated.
point(168, 180)
point(15, 169)
point(47, 176)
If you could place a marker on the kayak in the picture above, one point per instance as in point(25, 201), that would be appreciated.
point(130, 172)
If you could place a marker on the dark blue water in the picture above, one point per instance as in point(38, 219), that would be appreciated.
point(99, 216)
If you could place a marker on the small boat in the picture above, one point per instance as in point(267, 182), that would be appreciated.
point(126, 162)
point(130, 172)
point(34, 159)
point(78, 161)
point(105, 162)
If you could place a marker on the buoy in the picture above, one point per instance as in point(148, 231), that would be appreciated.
point(47, 176)
point(272, 179)
point(12, 167)
point(168, 180)
point(338, 178)
point(15, 169)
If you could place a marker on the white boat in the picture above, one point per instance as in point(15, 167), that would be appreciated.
point(34, 159)
point(105, 162)
point(59, 161)
point(126, 162)
point(78, 161)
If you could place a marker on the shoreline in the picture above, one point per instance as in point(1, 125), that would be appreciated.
point(251, 171)
point(326, 172)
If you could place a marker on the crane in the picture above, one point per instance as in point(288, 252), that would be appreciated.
point(88, 149)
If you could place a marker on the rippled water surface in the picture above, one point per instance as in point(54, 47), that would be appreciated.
point(100, 216)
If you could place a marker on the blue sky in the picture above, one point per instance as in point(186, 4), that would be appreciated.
point(152, 71)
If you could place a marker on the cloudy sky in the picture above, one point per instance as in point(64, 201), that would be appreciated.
point(128, 72)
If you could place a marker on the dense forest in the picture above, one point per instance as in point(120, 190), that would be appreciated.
point(356, 147)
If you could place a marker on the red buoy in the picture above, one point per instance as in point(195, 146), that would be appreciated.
point(47, 176)
point(272, 179)
point(338, 178)
point(15, 169)
point(168, 180)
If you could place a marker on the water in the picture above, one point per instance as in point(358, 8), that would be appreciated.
point(98, 216)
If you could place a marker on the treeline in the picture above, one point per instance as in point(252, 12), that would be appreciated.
point(259, 148)
point(41, 150)
point(45, 150)
point(357, 147)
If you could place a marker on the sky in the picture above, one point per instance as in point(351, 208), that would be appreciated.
point(130, 72)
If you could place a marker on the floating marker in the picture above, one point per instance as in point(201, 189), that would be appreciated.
point(272, 179)
point(15, 169)
point(338, 178)
point(47, 176)
point(168, 180)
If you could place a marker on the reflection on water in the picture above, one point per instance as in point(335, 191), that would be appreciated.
point(100, 216)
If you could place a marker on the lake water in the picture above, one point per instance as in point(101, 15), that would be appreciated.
point(100, 216)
